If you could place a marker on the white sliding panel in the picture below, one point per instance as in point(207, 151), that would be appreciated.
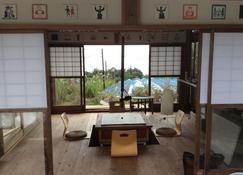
point(22, 71)
point(227, 85)
point(204, 67)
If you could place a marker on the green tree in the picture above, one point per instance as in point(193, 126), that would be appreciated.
point(133, 73)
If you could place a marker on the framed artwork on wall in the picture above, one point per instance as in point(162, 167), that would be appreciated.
point(190, 11)
point(161, 11)
point(71, 11)
point(218, 11)
point(39, 11)
point(8, 11)
point(100, 11)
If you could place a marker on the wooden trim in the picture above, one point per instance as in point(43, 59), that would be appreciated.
point(25, 28)
point(149, 78)
point(47, 125)
point(124, 12)
point(122, 65)
point(198, 109)
point(7, 31)
point(128, 16)
point(223, 106)
point(176, 76)
point(138, 12)
point(185, 71)
point(82, 77)
point(23, 110)
point(225, 171)
point(75, 108)
point(1, 140)
point(209, 106)
point(187, 83)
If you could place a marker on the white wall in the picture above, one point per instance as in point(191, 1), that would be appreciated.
point(176, 9)
point(86, 13)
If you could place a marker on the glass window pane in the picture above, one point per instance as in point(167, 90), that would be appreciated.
point(158, 84)
point(23, 143)
point(227, 138)
point(67, 92)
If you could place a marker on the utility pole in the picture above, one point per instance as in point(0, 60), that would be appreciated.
point(103, 68)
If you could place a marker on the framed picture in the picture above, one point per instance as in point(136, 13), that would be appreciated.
point(241, 12)
point(218, 11)
point(161, 11)
point(190, 11)
point(39, 11)
point(100, 11)
point(71, 11)
point(8, 11)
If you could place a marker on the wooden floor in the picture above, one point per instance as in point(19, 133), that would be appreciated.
point(76, 158)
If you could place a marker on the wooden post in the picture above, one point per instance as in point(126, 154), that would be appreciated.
point(47, 129)
point(1, 138)
point(122, 65)
point(130, 12)
point(48, 143)
point(198, 110)
point(209, 105)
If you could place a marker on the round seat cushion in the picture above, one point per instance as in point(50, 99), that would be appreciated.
point(75, 135)
point(166, 132)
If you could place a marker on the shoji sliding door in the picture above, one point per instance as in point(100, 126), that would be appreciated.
point(221, 100)
point(23, 101)
point(22, 71)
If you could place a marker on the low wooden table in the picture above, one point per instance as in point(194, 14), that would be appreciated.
point(106, 122)
point(142, 104)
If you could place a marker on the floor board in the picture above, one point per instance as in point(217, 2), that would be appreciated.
point(76, 158)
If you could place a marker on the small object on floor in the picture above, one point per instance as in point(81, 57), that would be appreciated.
point(124, 143)
point(166, 132)
point(71, 135)
point(171, 132)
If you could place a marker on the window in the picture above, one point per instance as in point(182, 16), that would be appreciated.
point(165, 68)
point(66, 75)
point(165, 61)
point(65, 61)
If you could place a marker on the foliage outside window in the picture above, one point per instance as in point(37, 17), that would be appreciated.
point(67, 91)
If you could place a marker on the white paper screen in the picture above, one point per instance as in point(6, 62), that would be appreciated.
point(22, 71)
point(227, 85)
point(204, 68)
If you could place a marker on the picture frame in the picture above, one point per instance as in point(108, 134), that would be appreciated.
point(218, 12)
point(70, 11)
point(100, 11)
point(39, 11)
point(8, 11)
point(161, 11)
point(190, 11)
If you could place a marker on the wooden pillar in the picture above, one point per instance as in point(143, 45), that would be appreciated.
point(184, 89)
point(209, 104)
point(149, 80)
point(122, 66)
point(1, 138)
point(47, 129)
point(130, 12)
point(198, 110)
point(48, 152)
